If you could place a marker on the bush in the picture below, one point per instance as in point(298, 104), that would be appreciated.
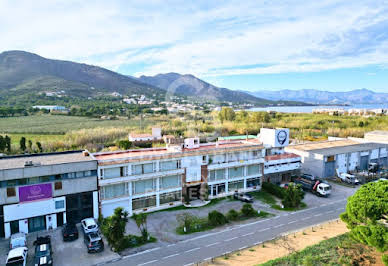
point(385, 259)
point(247, 210)
point(216, 218)
point(293, 196)
point(232, 215)
point(124, 144)
point(273, 189)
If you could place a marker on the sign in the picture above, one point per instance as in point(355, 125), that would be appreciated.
point(282, 137)
point(35, 192)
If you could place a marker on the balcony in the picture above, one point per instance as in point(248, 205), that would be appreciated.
point(215, 166)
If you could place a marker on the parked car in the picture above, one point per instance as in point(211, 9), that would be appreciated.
point(43, 251)
point(17, 257)
point(89, 225)
point(93, 241)
point(18, 240)
point(348, 178)
point(69, 232)
point(243, 197)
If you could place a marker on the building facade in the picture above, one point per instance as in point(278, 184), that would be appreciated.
point(44, 191)
point(328, 158)
point(152, 179)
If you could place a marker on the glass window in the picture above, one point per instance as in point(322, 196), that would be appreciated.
point(232, 186)
point(114, 191)
point(79, 174)
point(170, 197)
point(216, 175)
point(143, 186)
point(43, 179)
point(148, 168)
point(236, 172)
point(11, 183)
point(254, 169)
point(33, 180)
point(168, 165)
point(253, 182)
point(59, 204)
point(142, 169)
point(142, 203)
point(87, 173)
point(170, 181)
point(111, 172)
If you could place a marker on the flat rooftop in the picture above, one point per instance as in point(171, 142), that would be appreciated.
point(44, 159)
point(158, 152)
point(335, 147)
point(378, 132)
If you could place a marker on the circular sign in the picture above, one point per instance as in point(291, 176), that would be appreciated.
point(282, 137)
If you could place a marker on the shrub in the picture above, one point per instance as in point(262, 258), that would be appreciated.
point(385, 259)
point(232, 215)
point(293, 196)
point(247, 210)
point(273, 189)
point(216, 218)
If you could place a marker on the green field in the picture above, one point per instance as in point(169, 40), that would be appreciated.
point(59, 124)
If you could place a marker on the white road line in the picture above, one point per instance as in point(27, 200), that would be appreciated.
point(193, 249)
point(148, 262)
point(265, 229)
point(339, 209)
point(243, 247)
point(306, 218)
point(171, 245)
point(292, 222)
point(231, 238)
point(136, 254)
point(277, 226)
point(212, 244)
point(258, 243)
point(249, 234)
point(173, 255)
point(319, 214)
point(192, 263)
point(330, 211)
point(208, 259)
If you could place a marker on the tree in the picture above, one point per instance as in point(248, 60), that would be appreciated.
point(293, 196)
point(186, 220)
point(2, 143)
point(247, 210)
point(29, 145)
point(141, 222)
point(39, 145)
point(216, 218)
point(366, 215)
point(124, 144)
point(113, 228)
point(23, 143)
point(7, 143)
point(226, 114)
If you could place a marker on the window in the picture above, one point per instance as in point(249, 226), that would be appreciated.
point(236, 172)
point(330, 158)
point(215, 175)
point(232, 186)
point(44, 179)
point(142, 169)
point(204, 159)
point(253, 182)
point(254, 169)
point(112, 172)
point(11, 192)
point(142, 203)
point(58, 185)
point(33, 180)
point(170, 181)
point(114, 191)
point(143, 186)
point(59, 204)
point(170, 197)
point(169, 165)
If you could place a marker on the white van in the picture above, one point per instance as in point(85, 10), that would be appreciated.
point(17, 257)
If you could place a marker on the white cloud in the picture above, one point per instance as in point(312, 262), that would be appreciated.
point(206, 38)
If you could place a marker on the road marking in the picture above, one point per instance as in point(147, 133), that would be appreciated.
point(173, 255)
point(265, 229)
point(258, 243)
point(193, 249)
point(276, 217)
point(212, 244)
point(208, 258)
point(330, 211)
point(192, 263)
point(171, 245)
point(319, 214)
point(231, 238)
point(148, 262)
point(136, 254)
point(292, 222)
point(340, 209)
point(249, 234)
point(306, 218)
point(277, 226)
point(242, 247)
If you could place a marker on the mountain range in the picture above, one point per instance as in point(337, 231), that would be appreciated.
point(23, 73)
point(359, 96)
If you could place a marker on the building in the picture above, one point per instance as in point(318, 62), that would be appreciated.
point(51, 108)
point(280, 165)
point(157, 178)
point(155, 136)
point(326, 159)
point(43, 191)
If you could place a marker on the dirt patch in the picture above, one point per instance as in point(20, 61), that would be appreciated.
point(283, 246)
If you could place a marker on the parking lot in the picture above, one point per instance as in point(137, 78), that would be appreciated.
point(64, 253)
point(161, 225)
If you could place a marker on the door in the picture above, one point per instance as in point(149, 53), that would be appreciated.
point(36, 224)
point(364, 162)
point(59, 218)
point(1, 221)
point(330, 169)
point(14, 227)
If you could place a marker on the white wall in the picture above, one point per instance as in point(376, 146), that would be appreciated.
point(374, 154)
point(353, 161)
point(193, 168)
point(95, 204)
point(107, 208)
point(341, 163)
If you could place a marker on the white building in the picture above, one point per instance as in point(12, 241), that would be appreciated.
point(152, 179)
point(155, 136)
point(43, 191)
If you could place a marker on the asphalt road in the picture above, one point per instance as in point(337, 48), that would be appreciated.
point(218, 242)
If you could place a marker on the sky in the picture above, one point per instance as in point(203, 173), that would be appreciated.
point(245, 45)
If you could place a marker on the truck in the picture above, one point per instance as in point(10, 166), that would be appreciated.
point(315, 186)
point(349, 178)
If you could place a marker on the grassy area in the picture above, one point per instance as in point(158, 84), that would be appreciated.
point(264, 197)
point(340, 250)
point(61, 124)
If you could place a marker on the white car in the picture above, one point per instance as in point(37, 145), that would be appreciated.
point(18, 240)
point(89, 225)
point(17, 257)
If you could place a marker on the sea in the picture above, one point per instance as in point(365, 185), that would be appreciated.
point(309, 109)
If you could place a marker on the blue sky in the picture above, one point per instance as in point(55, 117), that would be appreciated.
point(246, 45)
